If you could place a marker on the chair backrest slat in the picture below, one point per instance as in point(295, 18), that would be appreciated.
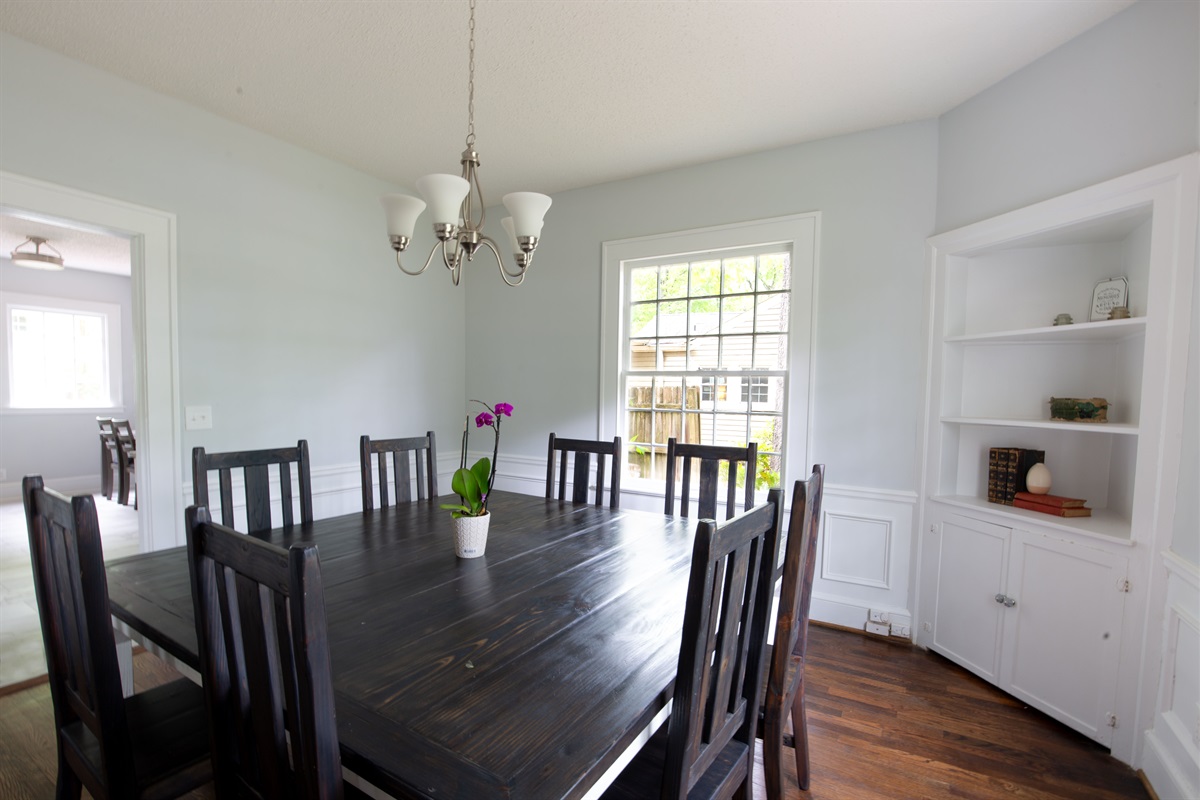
point(72, 597)
point(710, 457)
point(256, 476)
point(715, 713)
point(422, 450)
point(580, 452)
point(260, 616)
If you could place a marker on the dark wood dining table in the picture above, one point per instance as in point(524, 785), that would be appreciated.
point(522, 674)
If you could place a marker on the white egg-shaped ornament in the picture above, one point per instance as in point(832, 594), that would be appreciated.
point(1037, 480)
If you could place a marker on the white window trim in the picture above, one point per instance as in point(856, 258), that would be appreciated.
point(799, 233)
point(112, 349)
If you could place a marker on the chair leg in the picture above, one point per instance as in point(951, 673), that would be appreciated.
point(800, 734)
point(772, 752)
point(68, 786)
point(105, 473)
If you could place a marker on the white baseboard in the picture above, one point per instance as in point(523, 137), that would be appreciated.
point(1165, 775)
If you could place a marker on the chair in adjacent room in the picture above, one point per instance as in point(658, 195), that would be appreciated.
point(255, 466)
point(421, 451)
point(149, 745)
point(785, 678)
point(108, 456)
point(264, 661)
point(126, 461)
point(711, 458)
point(580, 451)
point(706, 749)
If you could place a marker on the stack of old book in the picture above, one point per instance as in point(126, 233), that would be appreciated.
point(1052, 504)
point(1007, 468)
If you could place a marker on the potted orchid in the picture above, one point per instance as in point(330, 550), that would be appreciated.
point(473, 485)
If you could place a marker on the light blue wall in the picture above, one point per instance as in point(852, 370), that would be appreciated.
point(537, 346)
point(1122, 96)
point(293, 319)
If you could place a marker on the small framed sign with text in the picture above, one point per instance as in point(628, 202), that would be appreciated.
point(1107, 295)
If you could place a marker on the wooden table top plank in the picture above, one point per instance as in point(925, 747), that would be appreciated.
point(570, 625)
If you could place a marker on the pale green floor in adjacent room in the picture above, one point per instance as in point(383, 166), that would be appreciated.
point(21, 656)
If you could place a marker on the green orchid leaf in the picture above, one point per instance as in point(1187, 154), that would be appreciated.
point(482, 473)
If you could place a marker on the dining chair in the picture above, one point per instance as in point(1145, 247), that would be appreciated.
point(706, 749)
point(785, 679)
point(264, 662)
point(710, 457)
point(255, 466)
point(580, 451)
point(126, 461)
point(423, 450)
point(149, 745)
point(108, 455)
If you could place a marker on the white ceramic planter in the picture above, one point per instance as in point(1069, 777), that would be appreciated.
point(470, 536)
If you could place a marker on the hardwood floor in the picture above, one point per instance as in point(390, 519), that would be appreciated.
point(886, 722)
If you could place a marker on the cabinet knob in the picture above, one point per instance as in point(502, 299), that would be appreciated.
point(1000, 598)
point(1009, 602)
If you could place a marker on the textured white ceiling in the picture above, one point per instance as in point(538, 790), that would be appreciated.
point(569, 93)
point(80, 248)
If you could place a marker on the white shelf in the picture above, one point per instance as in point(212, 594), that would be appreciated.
point(1107, 330)
point(1103, 525)
point(1047, 424)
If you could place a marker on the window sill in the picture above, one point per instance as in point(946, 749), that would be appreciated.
point(110, 411)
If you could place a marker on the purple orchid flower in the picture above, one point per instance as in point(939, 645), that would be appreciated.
point(504, 408)
point(484, 418)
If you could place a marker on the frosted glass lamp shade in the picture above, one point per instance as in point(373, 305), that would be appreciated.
point(1037, 480)
point(528, 210)
point(445, 194)
point(402, 211)
point(507, 224)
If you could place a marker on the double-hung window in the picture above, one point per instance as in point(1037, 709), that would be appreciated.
point(706, 336)
point(698, 326)
point(62, 353)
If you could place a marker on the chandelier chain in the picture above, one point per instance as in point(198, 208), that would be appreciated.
point(471, 82)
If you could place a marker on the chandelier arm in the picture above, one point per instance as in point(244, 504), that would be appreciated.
point(478, 187)
point(428, 261)
point(453, 264)
point(504, 273)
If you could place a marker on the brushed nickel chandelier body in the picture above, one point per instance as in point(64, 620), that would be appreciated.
point(458, 209)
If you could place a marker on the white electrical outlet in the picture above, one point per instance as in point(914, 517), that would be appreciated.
point(197, 418)
point(877, 628)
point(903, 631)
point(878, 616)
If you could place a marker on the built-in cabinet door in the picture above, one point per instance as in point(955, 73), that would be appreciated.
point(1062, 636)
point(972, 571)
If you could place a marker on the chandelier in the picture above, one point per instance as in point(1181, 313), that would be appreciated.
point(457, 221)
point(36, 259)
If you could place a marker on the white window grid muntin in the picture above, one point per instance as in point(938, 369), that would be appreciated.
point(109, 315)
point(717, 375)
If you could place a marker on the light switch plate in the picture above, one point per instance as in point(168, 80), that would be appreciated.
point(197, 418)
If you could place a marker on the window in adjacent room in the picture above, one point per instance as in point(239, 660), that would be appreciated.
point(62, 353)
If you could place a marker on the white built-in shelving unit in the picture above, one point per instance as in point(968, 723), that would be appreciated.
point(1051, 608)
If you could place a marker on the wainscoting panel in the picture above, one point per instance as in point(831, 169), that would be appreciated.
point(856, 550)
point(1171, 753)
